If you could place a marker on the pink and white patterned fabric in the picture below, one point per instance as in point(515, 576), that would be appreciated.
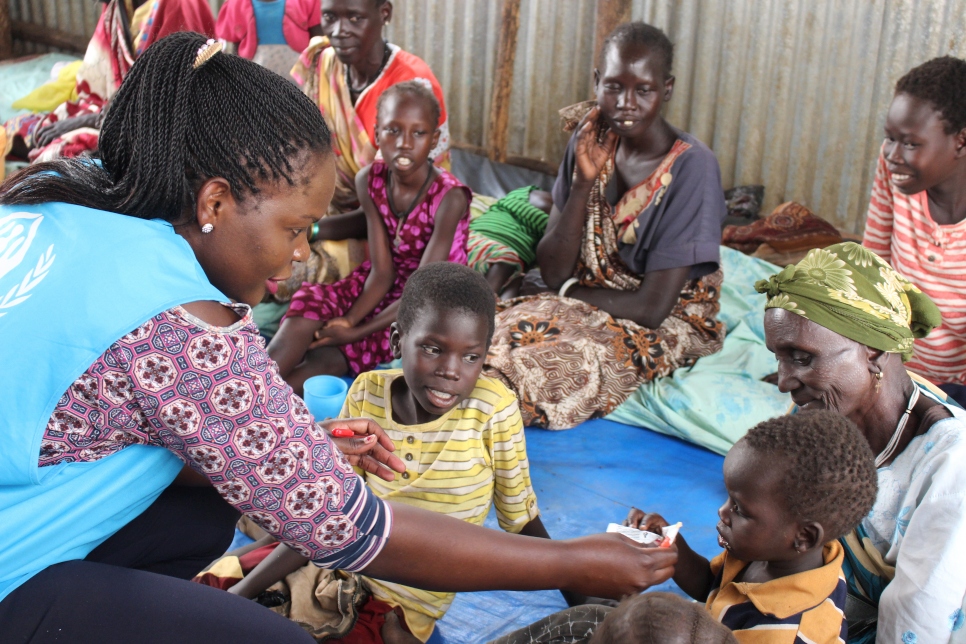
point(213, 397)
point(326, 301)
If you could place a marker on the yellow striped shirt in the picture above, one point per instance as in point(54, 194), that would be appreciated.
point(458, 465)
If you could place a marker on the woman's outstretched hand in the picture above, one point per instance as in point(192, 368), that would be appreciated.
point(617, 566)
point(370, 449)
point(592, 149)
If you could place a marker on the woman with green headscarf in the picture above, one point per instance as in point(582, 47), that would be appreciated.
point(841, 322)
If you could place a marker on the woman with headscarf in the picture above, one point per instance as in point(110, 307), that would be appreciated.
point(841, 323)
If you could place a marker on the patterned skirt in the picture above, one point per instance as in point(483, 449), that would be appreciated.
point(569, 361)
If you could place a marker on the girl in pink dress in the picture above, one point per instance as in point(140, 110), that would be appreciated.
point(416, 213)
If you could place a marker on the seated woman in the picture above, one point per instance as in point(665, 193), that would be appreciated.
point(630, 254)
point(124, 31)
point(918, 208)
point(841, 323)
point(270, 32)
point(345, 74)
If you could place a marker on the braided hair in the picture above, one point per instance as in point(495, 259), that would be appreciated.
point(171, 127)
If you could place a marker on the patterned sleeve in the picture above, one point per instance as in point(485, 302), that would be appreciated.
point(213, 396)
point(513, 495)
point(878, 223)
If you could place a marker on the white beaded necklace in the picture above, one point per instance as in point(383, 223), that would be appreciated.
point(894, 441)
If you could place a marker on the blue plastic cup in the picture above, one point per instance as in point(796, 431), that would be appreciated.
point(324, 396)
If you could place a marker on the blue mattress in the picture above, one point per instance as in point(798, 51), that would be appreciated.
point(586, 478)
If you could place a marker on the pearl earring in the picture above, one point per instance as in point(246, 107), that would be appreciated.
point(207, 228)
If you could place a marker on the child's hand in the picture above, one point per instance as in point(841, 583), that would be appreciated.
point(644, 521)
point(334, 322)
point(592, 149)
point(335, 336)
point(370, 449)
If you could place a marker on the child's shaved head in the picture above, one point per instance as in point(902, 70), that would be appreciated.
point(661, 618)
point(829, 469)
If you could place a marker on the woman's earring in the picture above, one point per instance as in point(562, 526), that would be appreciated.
point(878, 381)
point(207, 228)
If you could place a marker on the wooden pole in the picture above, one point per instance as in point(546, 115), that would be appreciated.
point(6, 35)
point(47, 36)
point(503, 80)
point(610, 13)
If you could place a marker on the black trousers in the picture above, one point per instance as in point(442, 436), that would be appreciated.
point(134, 587)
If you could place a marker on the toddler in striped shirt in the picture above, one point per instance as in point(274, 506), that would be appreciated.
point(795, 485)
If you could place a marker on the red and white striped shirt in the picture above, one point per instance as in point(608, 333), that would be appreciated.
point(900, 229)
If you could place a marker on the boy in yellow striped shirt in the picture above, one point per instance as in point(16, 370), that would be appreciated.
point(459, 434)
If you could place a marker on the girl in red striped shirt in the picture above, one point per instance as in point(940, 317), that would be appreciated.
point(917, 213)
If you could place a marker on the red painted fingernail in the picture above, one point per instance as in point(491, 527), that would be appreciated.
point(341, 432)
point(370, 438)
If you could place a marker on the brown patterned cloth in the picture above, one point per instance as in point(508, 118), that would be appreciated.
point(569, 361)
point(784, 236)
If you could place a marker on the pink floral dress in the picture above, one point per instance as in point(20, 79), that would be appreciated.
point(327, 301)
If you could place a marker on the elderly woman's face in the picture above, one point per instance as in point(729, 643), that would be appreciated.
point(818, 367)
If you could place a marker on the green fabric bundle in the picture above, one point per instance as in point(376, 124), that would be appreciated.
point(514, 222)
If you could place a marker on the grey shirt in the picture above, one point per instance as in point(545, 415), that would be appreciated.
point(684, 229)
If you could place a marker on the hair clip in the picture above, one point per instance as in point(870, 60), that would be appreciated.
point(206, 51)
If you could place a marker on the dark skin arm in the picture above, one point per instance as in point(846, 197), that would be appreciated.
point(535, 528)
point(383, 273)
point(350, 225)
point(692, 573)
point(649, 305)
point(451, 211)
point(50, 132)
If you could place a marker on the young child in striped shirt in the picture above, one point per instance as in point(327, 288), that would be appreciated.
point(460, 435)
point(795, 485)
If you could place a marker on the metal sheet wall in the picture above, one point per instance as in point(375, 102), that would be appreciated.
point(788, 93)
point(792, 94)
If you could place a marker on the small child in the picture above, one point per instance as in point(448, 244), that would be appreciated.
point(270, 32)
point(503, 240)
point(460, 435)
point(795, 485)
point(660, 618)
point(416, 213)
point(649, 618)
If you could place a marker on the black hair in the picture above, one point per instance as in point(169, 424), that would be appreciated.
point(170, 127)
point(640, 35)
point(942, 82)
point(418, 89)
point(444, 286)
point(828, 468)
point(661, 618)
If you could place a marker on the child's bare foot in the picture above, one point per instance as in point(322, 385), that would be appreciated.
point(394, 633)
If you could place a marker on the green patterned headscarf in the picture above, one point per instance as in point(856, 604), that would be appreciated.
point(850, 290)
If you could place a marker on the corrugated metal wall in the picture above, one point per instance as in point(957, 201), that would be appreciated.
point(793, 93)
point(788, 93)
